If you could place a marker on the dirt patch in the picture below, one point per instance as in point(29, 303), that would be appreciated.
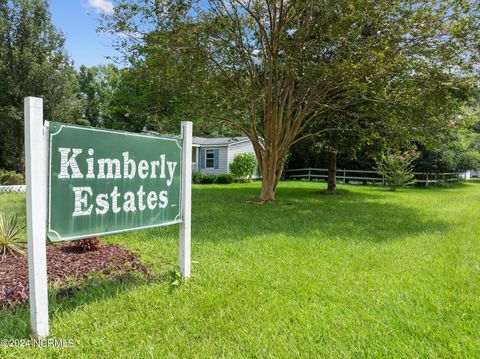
point(276, 202)
point(67, 261)
point(337, 192)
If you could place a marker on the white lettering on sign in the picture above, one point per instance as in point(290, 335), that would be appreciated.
point(143, 169)
point(110, 168)
point(81, 201)
point(86, 202)
point(110, 163)
point(171, 171)
point(129, 166)
point(71, 162)
point(104, 202)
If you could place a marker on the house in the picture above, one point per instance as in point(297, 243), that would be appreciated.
point(214, 155)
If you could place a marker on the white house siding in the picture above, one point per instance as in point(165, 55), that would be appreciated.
point(243, 147)
point(222, 161)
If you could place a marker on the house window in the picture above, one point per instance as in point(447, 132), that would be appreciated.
point(210, 159)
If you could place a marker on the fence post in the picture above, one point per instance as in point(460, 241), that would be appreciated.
point(185, 225)
point(36, 137)
point(344, 176)
point(426, 181)
point(309, 173)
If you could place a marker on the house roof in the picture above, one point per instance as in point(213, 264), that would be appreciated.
point(208, 141)
point(218, 141)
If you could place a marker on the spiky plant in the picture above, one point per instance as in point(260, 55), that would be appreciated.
point(9, 229)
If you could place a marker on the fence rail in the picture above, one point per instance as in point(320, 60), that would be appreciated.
point(12, 188)
point(369, 176)
point(342, 174)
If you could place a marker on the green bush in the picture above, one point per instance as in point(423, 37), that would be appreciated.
point(200, 178)
point(11, 178)
point(208, 179)
point(468, 161)
point(396, 169)
point(243, 166)
point(197, 177)
point(225, 178)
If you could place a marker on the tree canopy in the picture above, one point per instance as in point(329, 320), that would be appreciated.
point(33, 62)
point(271, 68)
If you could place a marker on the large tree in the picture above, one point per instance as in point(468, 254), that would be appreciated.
point(97, 87)
point(33, 62)
point(272, 67)
point(404, 117)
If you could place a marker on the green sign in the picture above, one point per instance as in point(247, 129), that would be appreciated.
point(103, 181)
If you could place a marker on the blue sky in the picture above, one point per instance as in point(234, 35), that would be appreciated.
point(78, 20)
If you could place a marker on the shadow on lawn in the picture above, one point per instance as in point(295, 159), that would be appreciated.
point(375, 215)
point(220, 213)
point(14, 322)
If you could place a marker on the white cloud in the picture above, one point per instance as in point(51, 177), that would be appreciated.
point(101, 6)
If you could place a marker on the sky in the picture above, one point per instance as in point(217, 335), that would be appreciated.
point(78, 21)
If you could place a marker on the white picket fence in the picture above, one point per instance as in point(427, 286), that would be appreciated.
point(364, 176)
point(12, 188)
point(312, 174)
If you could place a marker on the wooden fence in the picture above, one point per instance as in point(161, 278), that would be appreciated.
point(312, 174)
point(12, 188)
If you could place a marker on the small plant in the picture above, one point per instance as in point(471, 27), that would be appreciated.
point(175, 277)
point(244, 166)
point(89, 244)
point(9, 229)
point(11, 178)
point(208, 179)
point(11, 296)
point(225, 178)
point(197, 177)
point(396, 168)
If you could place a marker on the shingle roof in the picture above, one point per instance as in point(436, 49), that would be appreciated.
point(207, 141)
point(218, 141)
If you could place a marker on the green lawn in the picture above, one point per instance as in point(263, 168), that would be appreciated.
point(364, 273)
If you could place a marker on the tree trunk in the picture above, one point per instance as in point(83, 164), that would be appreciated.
point(21, 152)
point(268, 190)
point(271, 173)
point(332, 171)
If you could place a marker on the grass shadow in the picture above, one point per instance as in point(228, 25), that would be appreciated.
point(337, 192)
point(347, 214)
point(15, 321)
point(303, 211)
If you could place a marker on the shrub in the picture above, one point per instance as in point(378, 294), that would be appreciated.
point(225, 178)
point(396, 169)
point(9, 229)
point(11, 178)
point(208, 179)
point(89, 244)
point(243, 166)
point(197, 177)
point(468, 161)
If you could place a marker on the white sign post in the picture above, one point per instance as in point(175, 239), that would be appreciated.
point(185, 226)
point(36, 137)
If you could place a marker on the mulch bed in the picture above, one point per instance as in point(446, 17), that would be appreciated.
point(65, 261)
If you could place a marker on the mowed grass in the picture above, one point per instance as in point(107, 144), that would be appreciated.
point(363, 273)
